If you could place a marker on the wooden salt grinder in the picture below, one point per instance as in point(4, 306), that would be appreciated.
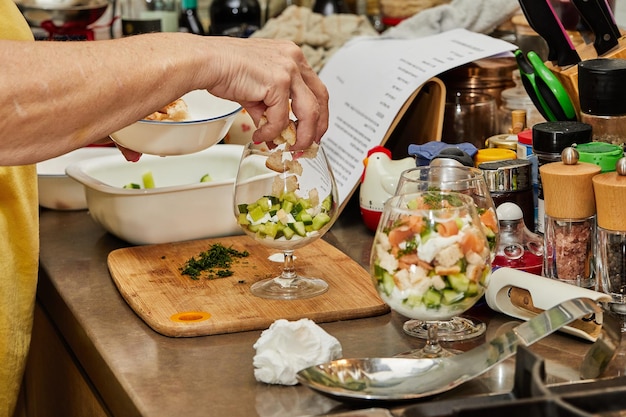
point(610, 195)
point(570, 212)
point(568, 188)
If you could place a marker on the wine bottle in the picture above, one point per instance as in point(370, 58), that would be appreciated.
point(189, 20)
point(144, 16)
point(237, 18)
point(328, 7)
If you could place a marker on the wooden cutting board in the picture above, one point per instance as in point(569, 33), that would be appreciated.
point(149, 279)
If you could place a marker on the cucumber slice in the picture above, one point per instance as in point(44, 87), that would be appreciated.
point(287, 206)
point(265, 203)
point(327, 203)
point(274, 209)
point(133, 186)
point(304, 217)
point(459, 282)
point(288, 232)
point(413, 300)
point(298, 227)
point(256, 213)
point(242, 208)
point(148, 179)
point(206, 178)
point(451, 296)
point(290, 196)
point(388, 283)
point(320, 220)
point(432, 298)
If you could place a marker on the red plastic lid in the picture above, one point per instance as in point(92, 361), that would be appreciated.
point(391, 21)
point(525, 137)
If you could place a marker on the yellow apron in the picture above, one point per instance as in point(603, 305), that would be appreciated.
point(19, 249)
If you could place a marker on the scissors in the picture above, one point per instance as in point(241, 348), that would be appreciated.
point(544, 88)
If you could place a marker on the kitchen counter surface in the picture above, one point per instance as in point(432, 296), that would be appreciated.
point(138, 372)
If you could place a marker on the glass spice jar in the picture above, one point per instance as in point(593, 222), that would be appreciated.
point(601, 91)
point(549, 139)
point(570, 220)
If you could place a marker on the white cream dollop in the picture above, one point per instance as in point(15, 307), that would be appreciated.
point(287, 347)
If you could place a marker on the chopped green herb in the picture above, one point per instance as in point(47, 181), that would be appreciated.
point(216, 262)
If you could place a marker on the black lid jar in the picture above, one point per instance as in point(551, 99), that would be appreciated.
point(601, 92)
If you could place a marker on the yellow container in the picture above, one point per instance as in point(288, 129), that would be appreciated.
point(493, 154)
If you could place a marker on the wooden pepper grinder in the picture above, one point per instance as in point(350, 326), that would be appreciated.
point(570, 219)
point(610, 193)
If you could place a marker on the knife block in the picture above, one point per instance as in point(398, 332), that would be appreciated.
point(569, 75)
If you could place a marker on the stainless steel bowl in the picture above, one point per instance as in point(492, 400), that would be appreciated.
point(62, 12)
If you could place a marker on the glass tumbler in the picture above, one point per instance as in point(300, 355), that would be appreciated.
point(469, 117)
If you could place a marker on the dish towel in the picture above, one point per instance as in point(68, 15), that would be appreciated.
point(481, 16)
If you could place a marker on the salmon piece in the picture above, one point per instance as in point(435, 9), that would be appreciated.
point(488, 218)
point(472, 242)
point(449, 228)
point(399, 235)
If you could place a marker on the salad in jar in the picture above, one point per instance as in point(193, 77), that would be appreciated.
point(430, 258)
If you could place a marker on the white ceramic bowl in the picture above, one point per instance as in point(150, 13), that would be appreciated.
point(179, 208)
point(57, 191)
point(210, 120)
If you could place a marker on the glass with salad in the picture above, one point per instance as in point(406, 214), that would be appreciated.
point(285, 200)
point(443, 176)
point(430, 259)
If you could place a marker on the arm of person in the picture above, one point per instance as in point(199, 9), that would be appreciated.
point(59, 96)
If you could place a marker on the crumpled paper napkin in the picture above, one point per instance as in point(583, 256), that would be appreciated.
point(287, 347)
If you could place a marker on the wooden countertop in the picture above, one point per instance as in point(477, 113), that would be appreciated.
point(138, 372)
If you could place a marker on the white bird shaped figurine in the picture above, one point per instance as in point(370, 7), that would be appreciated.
point(378, 182)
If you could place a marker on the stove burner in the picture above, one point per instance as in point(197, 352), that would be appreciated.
point(532, 397)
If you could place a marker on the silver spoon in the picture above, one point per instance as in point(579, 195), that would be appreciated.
point(396, 379)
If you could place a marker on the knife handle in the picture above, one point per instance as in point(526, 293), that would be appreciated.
point(598, 16)
point(543, 19)
point(522, 298)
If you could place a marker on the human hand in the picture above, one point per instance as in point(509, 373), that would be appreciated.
point(269, 78)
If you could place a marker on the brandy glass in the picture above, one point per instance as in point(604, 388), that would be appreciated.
point(285, 200)
point(469, 181)
point(430, 260)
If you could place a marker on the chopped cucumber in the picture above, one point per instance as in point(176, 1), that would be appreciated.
point(320, 220)
point(451, 296)
point(459, 282)
point(287, 206)
point(304, 217)
point(327, 203)
point(298, 227)
point(385, 279)
point(288, 232)
point(243, 208)
point(256, 213)
point(287, 216)
point(133, 186)
point(206, 178)
point(413, 300)
point(472, 289)
point(148, 179)
point(432, 298)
